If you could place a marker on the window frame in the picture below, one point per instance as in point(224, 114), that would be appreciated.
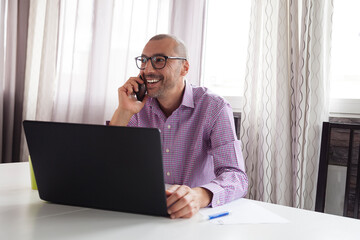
point(340, 107)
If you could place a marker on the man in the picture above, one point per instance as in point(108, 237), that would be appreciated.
point(202, 157)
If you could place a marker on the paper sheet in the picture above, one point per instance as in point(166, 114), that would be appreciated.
point(242, 211)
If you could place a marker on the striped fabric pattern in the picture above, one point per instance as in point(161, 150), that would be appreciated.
point(285, 100)
point(199, 144)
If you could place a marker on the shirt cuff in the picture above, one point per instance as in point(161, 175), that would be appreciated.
point(218, 192)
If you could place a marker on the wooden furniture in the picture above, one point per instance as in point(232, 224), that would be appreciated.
point(340, 146)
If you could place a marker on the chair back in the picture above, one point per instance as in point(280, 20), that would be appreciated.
point(340, 147)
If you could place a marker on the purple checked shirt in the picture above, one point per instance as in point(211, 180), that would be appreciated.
point(200, 147)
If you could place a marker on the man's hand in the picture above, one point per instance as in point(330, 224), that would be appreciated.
point(185, 202)
point(128, 104)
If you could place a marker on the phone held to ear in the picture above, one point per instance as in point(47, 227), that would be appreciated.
point(142, 90)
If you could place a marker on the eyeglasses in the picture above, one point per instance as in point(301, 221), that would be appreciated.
point(158, 62)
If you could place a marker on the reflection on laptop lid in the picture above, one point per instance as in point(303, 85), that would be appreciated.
point(96, 166)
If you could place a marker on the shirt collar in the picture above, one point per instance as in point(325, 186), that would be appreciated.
point(188, 97)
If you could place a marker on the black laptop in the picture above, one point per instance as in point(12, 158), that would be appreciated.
point(97, 166)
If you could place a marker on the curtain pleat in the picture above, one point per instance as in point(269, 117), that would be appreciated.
point(188, 23)
point(13, 39)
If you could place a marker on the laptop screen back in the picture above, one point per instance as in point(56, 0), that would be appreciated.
point(96, 166)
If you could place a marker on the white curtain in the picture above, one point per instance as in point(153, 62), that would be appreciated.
point(80, 52)
point(285, 99)
point(188, 23)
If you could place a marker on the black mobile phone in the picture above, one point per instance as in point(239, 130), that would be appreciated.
point(142, 90)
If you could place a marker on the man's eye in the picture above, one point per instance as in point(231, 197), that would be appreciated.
point(158, 59)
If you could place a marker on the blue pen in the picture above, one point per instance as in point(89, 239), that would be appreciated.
point(217, 215)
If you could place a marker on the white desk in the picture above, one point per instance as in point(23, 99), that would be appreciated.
point(24, 216)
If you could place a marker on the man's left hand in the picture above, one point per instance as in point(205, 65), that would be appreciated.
point(185, 202)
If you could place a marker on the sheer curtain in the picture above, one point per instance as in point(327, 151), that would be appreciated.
point(285, 99)
point(188, 23)
point(13, 38)
point(80, 52)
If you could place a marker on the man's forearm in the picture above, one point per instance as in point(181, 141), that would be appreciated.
point(120, 118)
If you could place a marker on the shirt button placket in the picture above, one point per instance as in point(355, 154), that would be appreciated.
point(168, 173)
point(167, 130)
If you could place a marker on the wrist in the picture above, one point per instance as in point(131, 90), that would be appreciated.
point(205, 196)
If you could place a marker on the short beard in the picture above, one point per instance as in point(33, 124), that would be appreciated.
point(157, 94)
point(164, 86)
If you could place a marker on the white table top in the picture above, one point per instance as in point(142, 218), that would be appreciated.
point(24, 216)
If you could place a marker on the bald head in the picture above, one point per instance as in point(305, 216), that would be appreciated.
point(179, 48)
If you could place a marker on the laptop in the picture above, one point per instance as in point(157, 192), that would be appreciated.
point(98, 166)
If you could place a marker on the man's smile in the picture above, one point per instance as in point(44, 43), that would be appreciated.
point(151, 81)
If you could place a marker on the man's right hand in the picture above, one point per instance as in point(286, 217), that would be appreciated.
point(128, 104)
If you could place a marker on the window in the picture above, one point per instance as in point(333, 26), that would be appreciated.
point(345, 60)
point(225, 47)
point(225, 50)
point(107, 35)
point(226, 75)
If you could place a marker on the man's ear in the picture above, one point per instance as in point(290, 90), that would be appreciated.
point(184, 68)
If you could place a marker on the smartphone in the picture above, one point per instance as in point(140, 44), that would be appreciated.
point(142, 90)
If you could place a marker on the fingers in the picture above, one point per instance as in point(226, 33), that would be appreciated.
point(128, 103)
point(132, 85)
point(171, 189)
point(175, 193)
point(126, 92)
point(185, 207)
point(182, 202)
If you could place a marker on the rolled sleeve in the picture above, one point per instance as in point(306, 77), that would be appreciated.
point(231, 181)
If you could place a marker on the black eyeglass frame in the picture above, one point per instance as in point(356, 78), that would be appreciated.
point(152, 61)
